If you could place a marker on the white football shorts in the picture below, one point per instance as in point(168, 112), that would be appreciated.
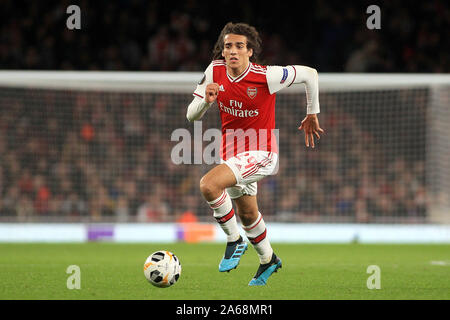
point(249, 167)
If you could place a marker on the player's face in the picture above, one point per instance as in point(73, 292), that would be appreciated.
point(235, 52)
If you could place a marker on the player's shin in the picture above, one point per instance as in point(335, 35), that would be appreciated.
point(225, 216)
point(257, 234)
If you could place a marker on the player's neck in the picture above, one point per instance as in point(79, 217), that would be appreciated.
point(236, 72)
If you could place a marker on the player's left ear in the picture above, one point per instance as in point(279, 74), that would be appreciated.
point(250, 52)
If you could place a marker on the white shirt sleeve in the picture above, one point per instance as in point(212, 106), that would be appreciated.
point(197, 109)
point(279, 77)
point(198, 106)
point(205, 80)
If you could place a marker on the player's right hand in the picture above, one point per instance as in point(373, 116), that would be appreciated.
point(211, 92)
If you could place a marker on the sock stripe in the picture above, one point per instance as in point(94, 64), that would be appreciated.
point(250, 228)
point(226, 217)
point(221, 201)
point(259, 238)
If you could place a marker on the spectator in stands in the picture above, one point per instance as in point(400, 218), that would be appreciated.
point(154, 209)
point(142, 35)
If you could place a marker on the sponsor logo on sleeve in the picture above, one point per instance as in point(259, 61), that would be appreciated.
point(202, 80)
point(285, 75)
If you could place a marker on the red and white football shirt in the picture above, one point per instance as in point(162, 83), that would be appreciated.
point(247, 105)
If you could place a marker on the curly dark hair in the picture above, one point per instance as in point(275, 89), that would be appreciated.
point(243, 29)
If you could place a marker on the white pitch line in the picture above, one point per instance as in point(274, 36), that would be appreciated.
point(440, 263)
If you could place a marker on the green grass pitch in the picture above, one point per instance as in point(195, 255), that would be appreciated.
point(310, 271)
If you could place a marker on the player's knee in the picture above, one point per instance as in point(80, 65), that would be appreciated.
point(208, 188)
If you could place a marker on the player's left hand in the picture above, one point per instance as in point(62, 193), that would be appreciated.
point(312, 128)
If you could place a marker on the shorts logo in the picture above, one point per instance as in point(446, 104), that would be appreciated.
point(285, 75)
point(251, 92)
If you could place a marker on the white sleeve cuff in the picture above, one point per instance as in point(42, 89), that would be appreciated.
point(197, 108)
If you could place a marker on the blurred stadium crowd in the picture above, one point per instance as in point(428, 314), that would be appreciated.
point(178, 36)
point(98, 156)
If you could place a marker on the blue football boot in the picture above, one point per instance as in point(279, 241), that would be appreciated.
point(233, 254)
point(265, 271)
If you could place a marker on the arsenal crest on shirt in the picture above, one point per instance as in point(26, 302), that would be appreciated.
point(251, 92)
